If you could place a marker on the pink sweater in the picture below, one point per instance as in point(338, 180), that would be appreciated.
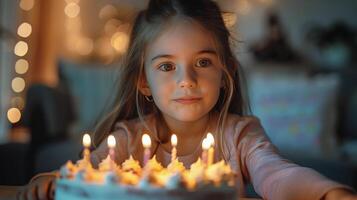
point(252, 156)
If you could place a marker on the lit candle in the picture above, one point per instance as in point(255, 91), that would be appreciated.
point(174, 144)
point(86, 152)
point(147, 144)
point(205, 147)
point(210, 159)
point(111, 144)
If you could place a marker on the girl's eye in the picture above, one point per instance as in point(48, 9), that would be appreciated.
point(203, 62)
point(166, 67)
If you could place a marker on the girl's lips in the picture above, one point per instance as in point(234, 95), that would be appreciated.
point(188, 100)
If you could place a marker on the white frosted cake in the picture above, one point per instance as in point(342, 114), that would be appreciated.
point(129, 181)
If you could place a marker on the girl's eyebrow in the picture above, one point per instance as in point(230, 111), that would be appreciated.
point(161, 56)
point(209, 51)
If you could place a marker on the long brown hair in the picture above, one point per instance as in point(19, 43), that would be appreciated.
point(149, 23)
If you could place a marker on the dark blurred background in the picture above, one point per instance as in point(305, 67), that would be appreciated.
point(59, 62)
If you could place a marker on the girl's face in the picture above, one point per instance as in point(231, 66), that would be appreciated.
point(183, 72)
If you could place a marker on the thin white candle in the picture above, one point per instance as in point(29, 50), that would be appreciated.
point(205, 147)
point(146, 141)
point(86, 143)
point(111, 144)
point(174, 150)
point(210, 158)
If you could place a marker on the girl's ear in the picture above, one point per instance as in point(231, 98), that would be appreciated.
point(144, 86)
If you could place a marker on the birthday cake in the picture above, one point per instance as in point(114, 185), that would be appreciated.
point(80, 181)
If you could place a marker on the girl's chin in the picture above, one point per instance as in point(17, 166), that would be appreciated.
point(187, 116)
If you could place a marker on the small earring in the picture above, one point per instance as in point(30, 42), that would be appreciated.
point(149, 98)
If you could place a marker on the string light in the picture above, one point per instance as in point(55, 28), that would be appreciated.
point(21, 66)
point(18, 84)
point(27, 5)
point(14, 115)
point(21, 48)
point(24, 30)
point(72, 10)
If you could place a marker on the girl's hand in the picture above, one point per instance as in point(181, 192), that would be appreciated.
point(340, 194)
point(40, 187)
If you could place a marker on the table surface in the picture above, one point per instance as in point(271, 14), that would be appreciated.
point(9, 193)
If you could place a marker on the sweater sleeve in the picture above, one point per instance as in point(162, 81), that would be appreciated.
point(121, 134)
point(273, 177)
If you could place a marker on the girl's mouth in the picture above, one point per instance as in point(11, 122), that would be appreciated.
point(188, 100)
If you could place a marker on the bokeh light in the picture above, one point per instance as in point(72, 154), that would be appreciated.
point(72, 10)
point(107, 12)
point(14, 115)
point(119, 41)
point(24, 30)
point(21, 66)
point(18, 84)
point(27, 4)
point(21, 48)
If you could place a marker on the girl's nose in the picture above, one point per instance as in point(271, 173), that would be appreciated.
point(187, 78)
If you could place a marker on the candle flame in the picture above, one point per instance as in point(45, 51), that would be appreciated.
point(86, 140)
point(146, 141)
point(173, 140)
point(111, 141)
point(210, 139)
point(205, 144)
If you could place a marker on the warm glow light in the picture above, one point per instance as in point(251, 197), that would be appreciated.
point(210, 139)
point(18, 102)
point(72, 10)
point(24, 30)
point(18, 84)
point(119, 41)
point(21, 66)
point(84, 46)
point(21, 48)
point(173, 140)
point(205, 144)
point(13, 115)
point(107, 12)
point(146, 141)
point(111, 141)
point(86, 140)
point(27, 4)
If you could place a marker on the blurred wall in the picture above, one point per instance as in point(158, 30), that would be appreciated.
point(297, 17)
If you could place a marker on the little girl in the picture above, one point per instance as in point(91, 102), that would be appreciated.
point(180, 76)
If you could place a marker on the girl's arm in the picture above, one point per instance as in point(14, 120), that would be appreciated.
point(121, 148)
point(340, 194)
point(274, 177)
point(41, 186)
